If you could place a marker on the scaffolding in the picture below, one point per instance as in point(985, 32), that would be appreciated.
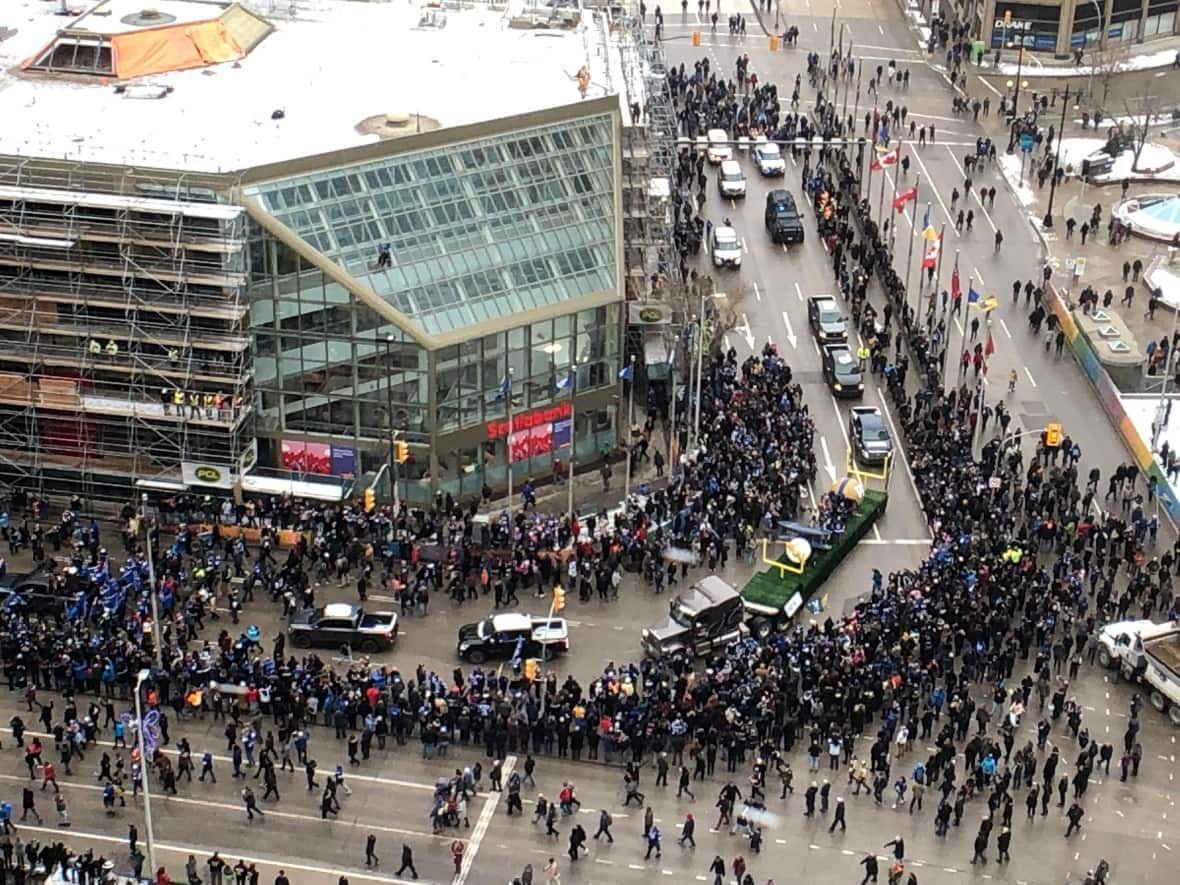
point(124, 341)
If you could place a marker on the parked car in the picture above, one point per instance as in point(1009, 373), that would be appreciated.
point(769, 159)
point(731, 180)
point(513, 634)
point(826, 320)
point(342, 623)
point(871, 442)
point(783, 221)
point(842, 371)
point(725, 247)
point(707, 616)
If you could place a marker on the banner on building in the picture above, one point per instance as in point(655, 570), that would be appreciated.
point(200, 473)
point(306, 457)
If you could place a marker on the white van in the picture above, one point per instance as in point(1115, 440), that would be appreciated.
point(731, 181)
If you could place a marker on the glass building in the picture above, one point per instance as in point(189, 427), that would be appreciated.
point(394, 287)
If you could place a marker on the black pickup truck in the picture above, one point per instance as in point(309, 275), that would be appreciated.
point(342, 623)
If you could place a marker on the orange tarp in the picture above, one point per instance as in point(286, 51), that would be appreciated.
point(173, 48)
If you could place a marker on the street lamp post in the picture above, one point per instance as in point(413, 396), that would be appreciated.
point(1101, 48)
point(1047, 221)
point(143, 761)
point(157, 633)
point(389, 414)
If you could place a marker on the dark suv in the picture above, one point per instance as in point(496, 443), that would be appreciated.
point(706, 616)
point(783, 221)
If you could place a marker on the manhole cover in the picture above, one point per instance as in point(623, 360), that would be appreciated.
point(148, 18)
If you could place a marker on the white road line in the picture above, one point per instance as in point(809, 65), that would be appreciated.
point(1031, 380)
point(745, 248)
point(881, 29)
point(917, 155)
point(353, 873)
point(1004, 326)
point(229, 806)
point(365, 778)
point(990, 86)
point(481, 826)
point(798, 291)
point(974, 192)
point(757, 292)
point(900, 449)
point(876, 532)
point(979, 277)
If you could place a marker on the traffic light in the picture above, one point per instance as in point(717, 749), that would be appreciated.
point(558, 599)
point(401, 451)
point(530, 669)
point(370, 500)
point(1053, 435)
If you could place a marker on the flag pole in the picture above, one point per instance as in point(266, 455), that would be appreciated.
point(938, 266)
point(569, 478)
point(867, 193)
point(957, 354)
point(909, 262)
point(630, 420)
point(893, 213)
point(508, 452)
point(881, 197)
point(672, 435)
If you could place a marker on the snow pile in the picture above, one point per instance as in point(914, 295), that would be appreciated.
point(1145, 62)
point(1163, 278)
point(1156, 163)
point(1010, 167)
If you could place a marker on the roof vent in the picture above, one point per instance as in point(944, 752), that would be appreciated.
point(148, 18)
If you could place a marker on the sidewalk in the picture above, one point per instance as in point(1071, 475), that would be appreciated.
point(1161, 53)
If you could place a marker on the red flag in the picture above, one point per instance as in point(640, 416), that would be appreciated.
point(889, 158)
point(956, 290)
point(990, 347)
point(901, 199)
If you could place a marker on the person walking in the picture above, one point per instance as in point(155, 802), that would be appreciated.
point(685, 781)
point(869, 862)
point(1074, 815)
point(653, 842)
point(838, 816)
point(371, 858)
point(29, 806)
point(686, 831)
point(251, 804)
point(407, 862)
point(604, 824)
point(552, 876)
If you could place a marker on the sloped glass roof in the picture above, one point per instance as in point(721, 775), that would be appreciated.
point(477, 230)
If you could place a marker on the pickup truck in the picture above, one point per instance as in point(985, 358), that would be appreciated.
point(513, 634)
point(1149, 653)
point(342, 623)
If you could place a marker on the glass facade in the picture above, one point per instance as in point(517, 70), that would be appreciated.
point(333, 375)
point(477, 231)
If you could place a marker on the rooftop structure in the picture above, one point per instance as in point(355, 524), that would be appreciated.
point(330, 75)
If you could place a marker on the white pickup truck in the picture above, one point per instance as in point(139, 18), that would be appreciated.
point(1147, 652)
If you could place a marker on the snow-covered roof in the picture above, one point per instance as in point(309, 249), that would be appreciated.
point(329, 66)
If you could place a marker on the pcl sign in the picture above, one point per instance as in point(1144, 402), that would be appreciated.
point(218, 476)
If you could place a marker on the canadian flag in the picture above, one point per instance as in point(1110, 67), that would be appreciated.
point(930, 256)
point(889, 158)
point(904, 197)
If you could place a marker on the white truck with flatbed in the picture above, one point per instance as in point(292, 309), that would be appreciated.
point(1149, 653)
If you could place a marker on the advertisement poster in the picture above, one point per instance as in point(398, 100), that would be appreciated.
point(306, 457)
point(343, 461)
point(563, 432)
point(532, 441)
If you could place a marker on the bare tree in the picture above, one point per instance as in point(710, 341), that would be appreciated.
point(1137, 126)
point(1106, 64)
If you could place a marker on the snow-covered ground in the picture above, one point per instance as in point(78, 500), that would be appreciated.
point(1010, 167)
point(1143, 410)
point(1034, 67)
point(1163, 163)
point(1167, 280)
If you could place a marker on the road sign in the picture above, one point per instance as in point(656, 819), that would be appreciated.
point(1026, 142)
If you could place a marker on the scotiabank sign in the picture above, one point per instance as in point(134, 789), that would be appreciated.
point(529, 420)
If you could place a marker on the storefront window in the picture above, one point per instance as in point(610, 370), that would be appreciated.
point(1031, 25)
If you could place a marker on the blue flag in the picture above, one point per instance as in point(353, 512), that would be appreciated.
point(626, 374)
point(973, 295)
point(505, 388)
point(926, 219)
point(566, 382)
